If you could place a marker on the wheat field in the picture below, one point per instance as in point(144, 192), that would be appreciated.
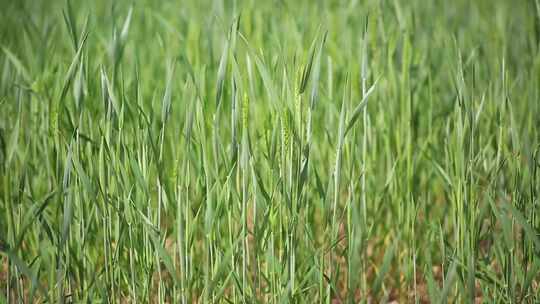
point(243, 151)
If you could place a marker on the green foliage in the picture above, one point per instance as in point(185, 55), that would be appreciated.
point(270, 151)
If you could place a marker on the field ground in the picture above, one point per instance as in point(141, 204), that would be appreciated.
point(270, 151)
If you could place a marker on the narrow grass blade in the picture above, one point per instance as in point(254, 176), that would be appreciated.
point(356, 112)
